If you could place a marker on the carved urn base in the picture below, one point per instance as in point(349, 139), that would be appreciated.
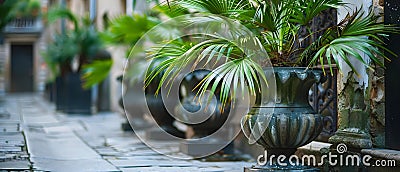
point(290, 123)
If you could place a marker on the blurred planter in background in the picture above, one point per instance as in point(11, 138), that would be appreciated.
point(67, 57)
point(71, 97)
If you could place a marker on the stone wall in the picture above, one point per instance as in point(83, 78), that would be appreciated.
point(377, 94)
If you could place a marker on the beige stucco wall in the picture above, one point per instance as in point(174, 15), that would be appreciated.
point(78, 7)
point(113, 8)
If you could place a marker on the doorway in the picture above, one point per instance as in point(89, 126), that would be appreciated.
point(21, 68)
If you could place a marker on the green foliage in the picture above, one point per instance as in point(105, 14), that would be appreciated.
point(60, 53)
point(96, 72)
point(57, 13)
point(30, 8)
point(9, 10)
point(127, 30)
point(357, 36)
point(277, 25)
point(83, 43)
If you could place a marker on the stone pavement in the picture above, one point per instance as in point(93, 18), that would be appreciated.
point(60, 142)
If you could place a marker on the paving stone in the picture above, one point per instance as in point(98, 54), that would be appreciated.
point(222, 164)
point(160, 169)
point(219, 169)
point(123, 141)
point(4, 115)
point(10, 149)
point(5, 143)
point(64, 146)
point(107, 151)
point(93, 141)
point(9, 126)
point(15, 165)
point(142, 153)
point(45, 164)
point(77, 126)
point(134, 147)
point(39, 119)
point(59, 142)
point(57, 129)
point(146, 163)
point(156, 134)
point(149, 157)
point(12, 136)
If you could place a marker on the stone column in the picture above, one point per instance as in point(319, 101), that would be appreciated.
point(353, 95)
point(353, 115)
point(377, 93)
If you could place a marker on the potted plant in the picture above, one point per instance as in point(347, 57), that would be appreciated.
point(67, 55)
point(58, 57)
point(8, 11)
point(283, 29)
point(29, 9)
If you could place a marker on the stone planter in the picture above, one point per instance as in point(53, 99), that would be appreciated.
point(208, 117)
point(160, 114)
point(49, 93)
point(71, 98)
point(190, 104)
point(291, 123)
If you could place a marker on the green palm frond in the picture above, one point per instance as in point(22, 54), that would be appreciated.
point(221, 7)
point(171, 9)
point(230, 75)
point(96, 72)
point(178, 55)
point(60, 52)
point(282, 27)
point(271, 15)
point(127, 29)
point(357, 36)
point(181, 56)
point(88, 42)
point(59, 13)
point(305, 10)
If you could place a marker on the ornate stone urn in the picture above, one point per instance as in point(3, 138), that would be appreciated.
point(158, 110)
point(290, 123)
point(160, 114)
point(190, 103)
point(205, 118)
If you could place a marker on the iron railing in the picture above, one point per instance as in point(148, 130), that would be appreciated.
point(323, 98)
point(24, 25)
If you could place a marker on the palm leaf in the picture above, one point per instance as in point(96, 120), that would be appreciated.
point(354, 38)
point(60, 13)
point(127, 29)
point(96, 72)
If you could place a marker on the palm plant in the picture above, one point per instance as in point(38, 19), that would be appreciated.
point(277, 25)
point(82, 43)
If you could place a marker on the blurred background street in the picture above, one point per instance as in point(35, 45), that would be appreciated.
point(35, 137)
